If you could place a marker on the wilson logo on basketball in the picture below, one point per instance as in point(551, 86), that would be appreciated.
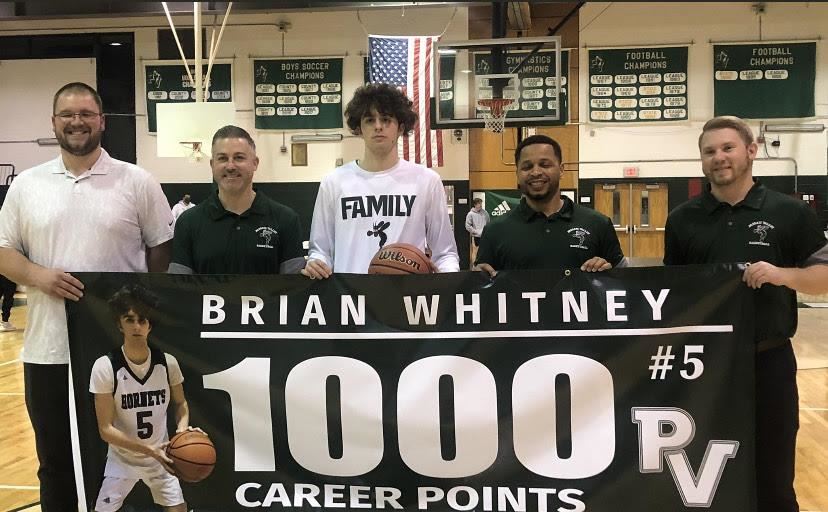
point(399, 257)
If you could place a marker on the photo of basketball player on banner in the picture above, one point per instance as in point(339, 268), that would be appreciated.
point(133, 387)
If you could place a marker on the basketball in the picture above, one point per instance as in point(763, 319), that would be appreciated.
point(399, 259)
point(193, 455)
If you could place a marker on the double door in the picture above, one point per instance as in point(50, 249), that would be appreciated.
point(638, 212)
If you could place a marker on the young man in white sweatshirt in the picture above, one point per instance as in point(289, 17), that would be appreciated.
point(379, 199)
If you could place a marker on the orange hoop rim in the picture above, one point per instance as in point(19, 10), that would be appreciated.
point(497, 106)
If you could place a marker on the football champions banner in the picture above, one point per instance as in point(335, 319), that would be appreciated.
point(764, 80)
point(535, 391)
point(638, 84)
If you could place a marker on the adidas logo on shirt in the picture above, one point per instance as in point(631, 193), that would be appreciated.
point(501, 209)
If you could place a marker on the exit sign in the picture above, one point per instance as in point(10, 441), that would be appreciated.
point(630, 172)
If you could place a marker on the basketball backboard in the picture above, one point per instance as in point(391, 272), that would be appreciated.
point(186, 128)
point(526, 70)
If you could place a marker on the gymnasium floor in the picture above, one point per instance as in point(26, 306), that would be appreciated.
point(18, 463)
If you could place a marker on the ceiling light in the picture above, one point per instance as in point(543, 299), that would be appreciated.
point(794, 128)
point(319, 137)
point(115, 43)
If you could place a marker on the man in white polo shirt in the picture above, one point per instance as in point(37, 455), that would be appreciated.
point(81, 212)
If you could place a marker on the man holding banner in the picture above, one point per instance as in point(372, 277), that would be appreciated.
point(102, 214)
point(737, 219)
point(237, 230)
point(547, 230)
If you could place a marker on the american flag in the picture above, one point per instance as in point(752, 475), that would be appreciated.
point(406, 62)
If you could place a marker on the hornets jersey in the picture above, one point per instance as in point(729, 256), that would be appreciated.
point(142, 396)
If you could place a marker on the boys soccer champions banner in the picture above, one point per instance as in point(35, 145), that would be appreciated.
point(535, 391)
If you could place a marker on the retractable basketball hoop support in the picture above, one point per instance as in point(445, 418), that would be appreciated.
point(495, 109)
point(198, 80)
point(498, 32)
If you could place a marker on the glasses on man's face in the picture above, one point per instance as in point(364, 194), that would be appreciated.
point(84, 116)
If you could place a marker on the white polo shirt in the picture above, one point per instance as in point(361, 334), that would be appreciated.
point(100, 221)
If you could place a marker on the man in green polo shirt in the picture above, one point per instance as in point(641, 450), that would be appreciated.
point(737, 219)
point(237, 230)
point(547, 230)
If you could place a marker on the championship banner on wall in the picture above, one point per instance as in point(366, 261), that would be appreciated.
point(536, 391)
point(638, 84)
point(446, 85)
point(167, 82)
point(535, 94)
point(764, 80)
point(297, 93)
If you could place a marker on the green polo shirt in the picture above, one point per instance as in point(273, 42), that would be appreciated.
point(765, 226)
point(211, 240)
point(526, 239)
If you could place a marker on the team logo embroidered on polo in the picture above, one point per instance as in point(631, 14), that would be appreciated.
point(580, 235)
point(266, 236)
point(760, 228)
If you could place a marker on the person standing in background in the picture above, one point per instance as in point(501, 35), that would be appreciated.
point(476, 220)
point(7, 289)
point(181, 207)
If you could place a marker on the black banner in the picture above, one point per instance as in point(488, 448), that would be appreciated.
point(540, 390)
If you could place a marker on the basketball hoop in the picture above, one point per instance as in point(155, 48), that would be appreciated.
point(195, 155)
point(494, 119)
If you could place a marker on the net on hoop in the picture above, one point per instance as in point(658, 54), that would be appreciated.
point(193, 150)
point(494, 119)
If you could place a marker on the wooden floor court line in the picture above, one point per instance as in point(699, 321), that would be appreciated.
point(29, 507)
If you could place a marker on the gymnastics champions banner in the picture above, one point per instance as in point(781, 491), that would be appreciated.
point(535, 391)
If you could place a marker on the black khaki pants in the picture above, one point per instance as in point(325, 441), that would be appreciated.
point(777, 422)
point(47, 401)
